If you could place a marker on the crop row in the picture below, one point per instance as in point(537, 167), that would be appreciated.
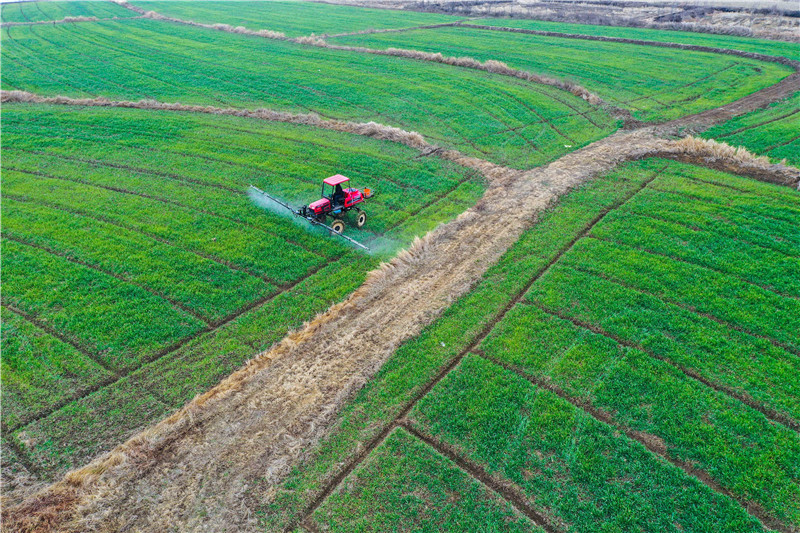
point(656, 84)
point(592, 373)
point(138, 273)
point(772, 131)
point(502, 119)
point(40, 11)
point(294, 19)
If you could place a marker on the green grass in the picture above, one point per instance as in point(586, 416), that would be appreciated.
point(490, 116)
point(294, 18)
point(772, 131)
point(746, 44)
point(42, 11)
point(676, 315)
point(406, 486)
point(656, 84)
point(137, 273)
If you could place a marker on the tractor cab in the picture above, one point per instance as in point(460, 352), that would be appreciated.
point(335, 189)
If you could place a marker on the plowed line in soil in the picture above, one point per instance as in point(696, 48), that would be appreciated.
point(112, 222)
point(171, 348)
point(63, 338)
point(505, 490)
point(768, 412)
point(782, 144)
point(704, 267)
point(758, 125)
point(380, 437)
point(178, 204)
point(72, 259)
point(120, 166)
point(22, 456)
point(171, 202)
point(712, 231)
point(752, 508)
point(721, 202)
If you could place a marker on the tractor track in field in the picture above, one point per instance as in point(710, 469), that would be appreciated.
point(259, 421)
point(178, 306)
point(651, 442)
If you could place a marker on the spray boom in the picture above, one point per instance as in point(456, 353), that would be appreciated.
point(309, 213)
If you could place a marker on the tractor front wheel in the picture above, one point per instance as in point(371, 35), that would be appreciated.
point(362, 219)
point(337, 226)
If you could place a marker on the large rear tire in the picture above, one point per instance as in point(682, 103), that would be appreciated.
point(337, 226)
point(362, 219)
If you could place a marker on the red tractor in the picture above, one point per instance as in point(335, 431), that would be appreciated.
point(336, 201)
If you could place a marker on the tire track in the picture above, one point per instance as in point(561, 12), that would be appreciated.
point(752, 508)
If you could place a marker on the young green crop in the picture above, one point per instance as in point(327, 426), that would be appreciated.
point(578, 471)
point(505, 120)
point(404, 485)
point(294, 18)
point(45, 11)
point(731, 42)
point(656, 84)
point(39, 370)
point(690, 421)
point(772, 131)
point(129, 235)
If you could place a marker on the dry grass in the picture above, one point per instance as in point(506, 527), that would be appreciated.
point(722, 156)
point(65, 20)
point(367, 129)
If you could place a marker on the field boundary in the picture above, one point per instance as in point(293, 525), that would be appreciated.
point(444, 372)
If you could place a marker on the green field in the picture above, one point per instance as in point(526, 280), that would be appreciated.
point(501, 119)
point(746, 44)
point(630, 364)
point(655, 84)
point(604, 351)
point(41, 11)
point(127, 283)
point(774, 131)
point(293, 18)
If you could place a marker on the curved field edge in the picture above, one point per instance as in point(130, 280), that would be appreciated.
point(412, 371)
point(114, 468)
point(150, 140)
point(640, 83)
point(511, 122)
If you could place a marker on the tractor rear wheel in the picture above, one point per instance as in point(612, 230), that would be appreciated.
point(362, 219)
point(337, 226)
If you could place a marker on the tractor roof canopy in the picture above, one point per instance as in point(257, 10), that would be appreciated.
point(336, 180)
